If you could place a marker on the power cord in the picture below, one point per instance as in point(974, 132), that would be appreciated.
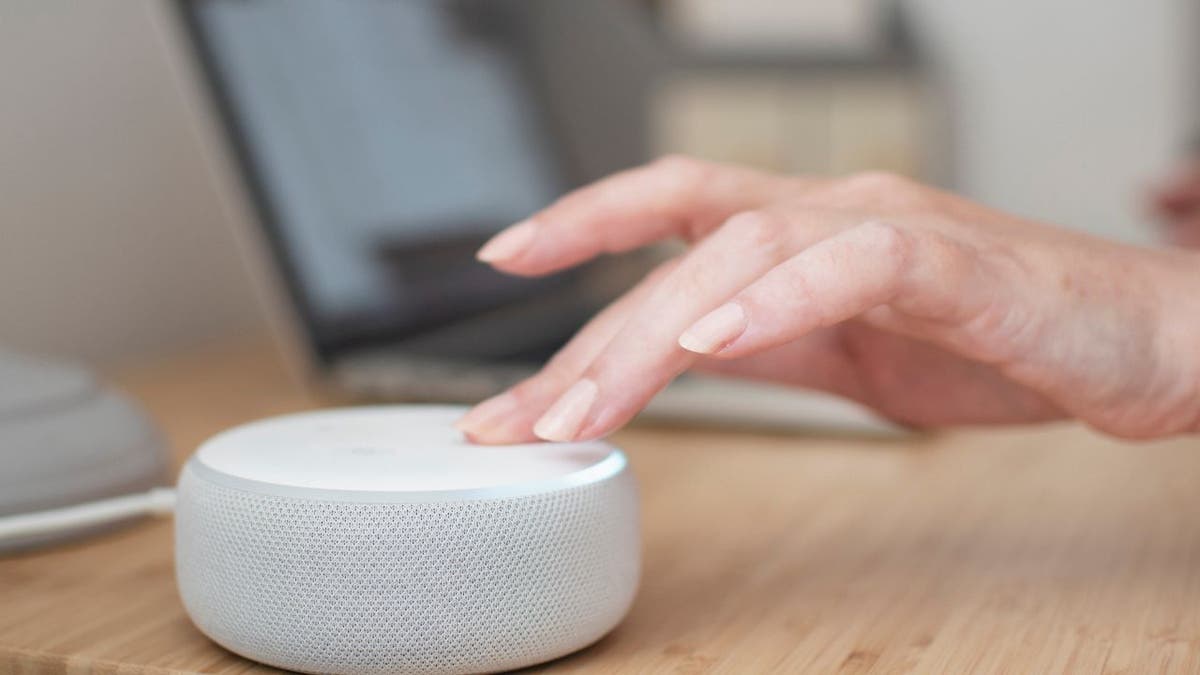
point(156, 502)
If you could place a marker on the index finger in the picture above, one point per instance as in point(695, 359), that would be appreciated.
point(672, 197)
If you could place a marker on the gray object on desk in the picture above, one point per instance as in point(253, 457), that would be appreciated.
point(66, 439)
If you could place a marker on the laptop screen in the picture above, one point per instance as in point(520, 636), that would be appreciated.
point(384, 142)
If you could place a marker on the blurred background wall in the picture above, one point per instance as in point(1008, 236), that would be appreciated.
point(113, 244)
point(1066, 109)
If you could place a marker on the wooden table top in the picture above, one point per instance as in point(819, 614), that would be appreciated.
point(1017, 551)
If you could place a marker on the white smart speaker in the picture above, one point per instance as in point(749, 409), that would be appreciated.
point(376, 540)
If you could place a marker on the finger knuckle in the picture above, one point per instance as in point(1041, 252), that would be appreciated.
point(942, 250)
point(885, 188)
point(680, 169)
point(879, 181)
point(893, 243)
point(759, 228)
point(957, 262)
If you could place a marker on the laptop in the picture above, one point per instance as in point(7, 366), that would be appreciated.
point(367, 149)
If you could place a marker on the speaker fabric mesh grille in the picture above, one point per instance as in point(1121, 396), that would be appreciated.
point(434, 587)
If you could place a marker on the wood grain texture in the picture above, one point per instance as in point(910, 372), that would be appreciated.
point(1020, 551)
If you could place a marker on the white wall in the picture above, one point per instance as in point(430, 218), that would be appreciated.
point(112, 243)
point(1067, 109)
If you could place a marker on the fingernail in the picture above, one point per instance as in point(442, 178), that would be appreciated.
point(564, 420)
point(486, 413)
point(508, 244)
point(716, 330)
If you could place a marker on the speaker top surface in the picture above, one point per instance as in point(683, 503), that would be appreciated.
point(393, 450)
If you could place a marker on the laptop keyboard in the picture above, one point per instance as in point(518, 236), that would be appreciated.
point(394, 379)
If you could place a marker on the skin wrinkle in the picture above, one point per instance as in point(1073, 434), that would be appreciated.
point(1115, 332)
point(1172, 354)
point(1132, 395)
point(1179, 306)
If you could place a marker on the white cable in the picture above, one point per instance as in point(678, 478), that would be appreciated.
point(156, 502)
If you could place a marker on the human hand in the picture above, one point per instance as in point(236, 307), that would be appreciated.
point(928, 308)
